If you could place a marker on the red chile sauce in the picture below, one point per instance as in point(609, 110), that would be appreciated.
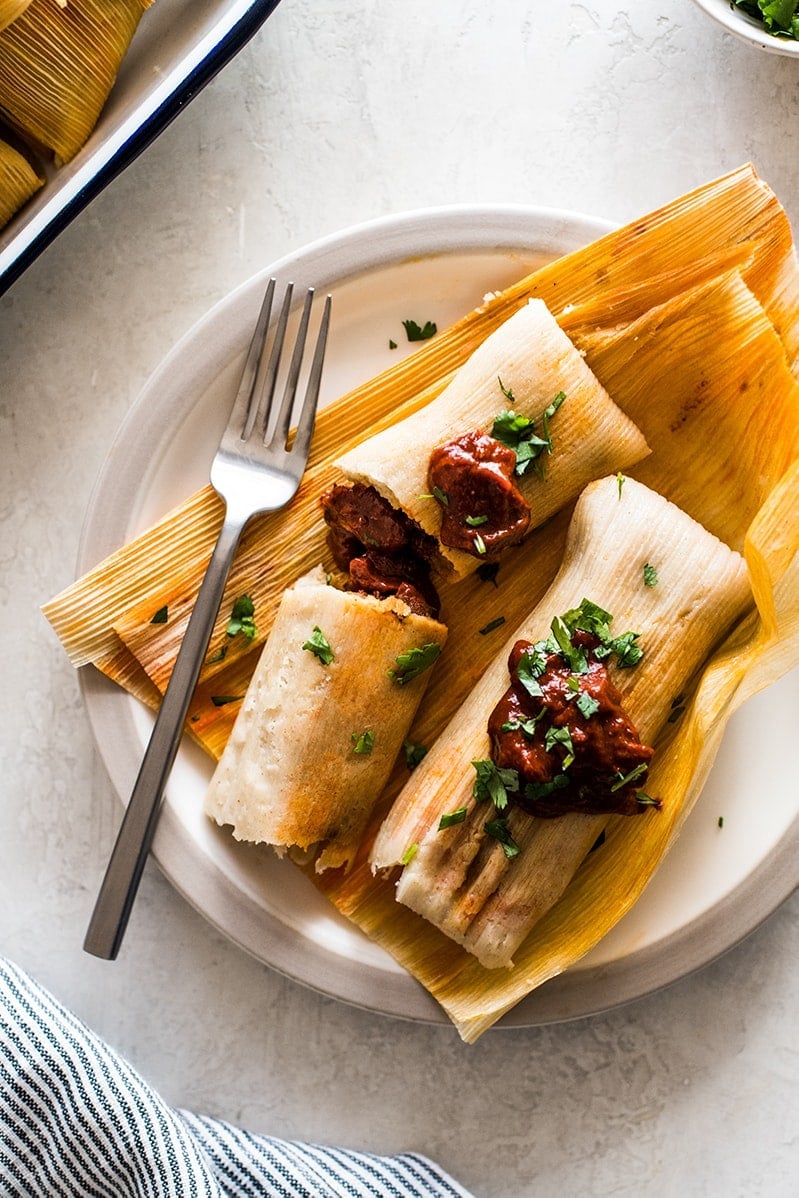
point(482, 508)
point(383, 552)
point(605, 744)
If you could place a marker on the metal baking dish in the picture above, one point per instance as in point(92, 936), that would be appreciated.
point(178, 47)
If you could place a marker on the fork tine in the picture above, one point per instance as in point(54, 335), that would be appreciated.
point(283, 422)
point(305, 424)
point(244, 408)
point(264, 384)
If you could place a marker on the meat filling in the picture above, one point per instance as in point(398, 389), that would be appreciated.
point(573, 745)
point(379, 548)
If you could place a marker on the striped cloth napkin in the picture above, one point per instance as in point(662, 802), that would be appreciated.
point(76, 1121)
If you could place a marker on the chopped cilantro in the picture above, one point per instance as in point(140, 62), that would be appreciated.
point(409, 854)
point(625, 779)
point(493, 783)
point(417, 332)
point(392, 343)
point(526, 727)
point(242, 618)
point(628, 653)
point(480, 544)
point(541, 790)
point(619, 481)
point(222, 700)
point(560, 736)
point(721, 821)
point(518, 432)
point(476, 521)
point(161, 616)
point(488, 572)
point(452, 817)
point(650, 575)
point(413, 754)
point(498, 828)
point(319, 645)
point(587, 704)
point(531, 666)
point(491, 625)
point(363, 742)
point(220, 655)
point(506, 391)
point(413, 663)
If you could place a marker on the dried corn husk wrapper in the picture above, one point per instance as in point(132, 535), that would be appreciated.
point(58, 62)
point(18, 181)
point(10, 10)
point(689, 317)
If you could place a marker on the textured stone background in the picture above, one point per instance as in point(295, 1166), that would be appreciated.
point(339, 111)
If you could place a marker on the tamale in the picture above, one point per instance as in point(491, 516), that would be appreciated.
point(323, 719)
point(18, 182)
point(57, 65)
point(528, 374)
point(460, 878)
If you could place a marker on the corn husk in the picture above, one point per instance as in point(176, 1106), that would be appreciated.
point(58, 62)
point(10, 10)
point(18, 182)
point(731, 239)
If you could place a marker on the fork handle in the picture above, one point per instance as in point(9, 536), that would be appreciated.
point(126, 864)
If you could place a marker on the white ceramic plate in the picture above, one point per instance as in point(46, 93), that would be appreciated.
point(717, 883)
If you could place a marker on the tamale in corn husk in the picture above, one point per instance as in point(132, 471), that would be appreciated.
point(460, 878)
point(731, 234)
point(18, 182)
point(58, 62)
point(519, 370)
point(10, 10)
point(323, 720)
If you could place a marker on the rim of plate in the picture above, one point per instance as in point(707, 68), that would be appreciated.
point(746, 28)
point(219, 337)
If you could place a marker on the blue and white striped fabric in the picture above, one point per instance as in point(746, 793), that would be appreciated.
point(76, 1121)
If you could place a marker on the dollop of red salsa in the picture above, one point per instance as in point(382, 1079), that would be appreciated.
point(482, 508)
point(562, 728)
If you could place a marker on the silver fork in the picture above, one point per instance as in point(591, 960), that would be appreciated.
point(253, 471)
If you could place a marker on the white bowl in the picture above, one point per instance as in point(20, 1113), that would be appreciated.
point(734, 20)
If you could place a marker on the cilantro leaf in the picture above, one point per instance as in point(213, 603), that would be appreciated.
point(498, 828)
point(452, 817)
point(560, 736)
point(242, 618)
point(413, 754)
point(587, 704)
point(414, 662)
point(493, 783)
point(416, 332)
point(363, 742)
point(319, 645)
point(161, 616)
point(542, 790)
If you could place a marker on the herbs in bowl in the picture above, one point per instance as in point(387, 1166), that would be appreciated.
point(780, 18)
